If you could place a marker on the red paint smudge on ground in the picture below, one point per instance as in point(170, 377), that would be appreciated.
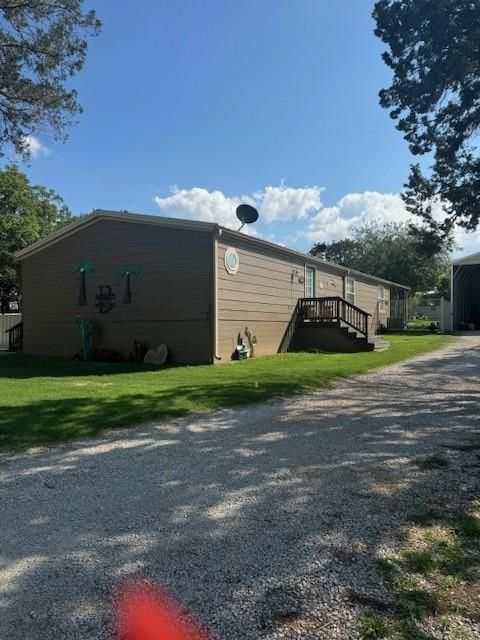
point(146, 612)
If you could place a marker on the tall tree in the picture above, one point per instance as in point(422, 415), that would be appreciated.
point(434, 53)
point(345, 252)
point(43, 43)
point(27, 213)
point(392, 252)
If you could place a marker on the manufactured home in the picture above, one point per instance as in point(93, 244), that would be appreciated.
point(208, 293)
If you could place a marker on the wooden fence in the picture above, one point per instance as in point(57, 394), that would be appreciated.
point(7, 321)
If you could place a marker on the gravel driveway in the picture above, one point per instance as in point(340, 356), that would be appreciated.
point(264, 521)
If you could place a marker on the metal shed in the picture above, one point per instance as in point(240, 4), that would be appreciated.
point(466, 293)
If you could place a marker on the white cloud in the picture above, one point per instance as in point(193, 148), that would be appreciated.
point(199, 204)
point(286, 203)
point(334, 223)
point(35, 148)
point(303, 206)
point(275, 204)
point(467, 242)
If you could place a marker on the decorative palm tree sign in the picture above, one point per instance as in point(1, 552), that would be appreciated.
point(82, 267)
point(86, 330)
point(127, 273)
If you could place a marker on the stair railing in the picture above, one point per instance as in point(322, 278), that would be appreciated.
point(335, 310)
point(287, 341)
point(15, 337)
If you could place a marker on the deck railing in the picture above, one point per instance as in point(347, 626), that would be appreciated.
point(15, 337)
point(328, 310)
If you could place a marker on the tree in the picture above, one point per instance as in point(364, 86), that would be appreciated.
point(27, 213)
point(42, 44)
point(344, 252)
point(392, 252)
point(434, 52)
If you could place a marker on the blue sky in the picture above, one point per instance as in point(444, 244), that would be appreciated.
point(193, 106)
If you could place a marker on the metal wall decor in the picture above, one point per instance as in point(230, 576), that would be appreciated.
point(83, 267)
point(86, 331)
point(127, 273)
point(105, 298)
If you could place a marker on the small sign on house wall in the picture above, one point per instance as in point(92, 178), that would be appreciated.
point(104, 299)
point(327, 284)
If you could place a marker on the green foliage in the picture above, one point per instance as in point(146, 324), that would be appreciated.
point(444, 283)
point(419, 603)
point(432, 462)
point(408, 631)
point(52, 399)
point(27, 213)
point(390, 251)
point(432, 49)
point(467, 525)
point(42, 44)
point(419, 561)
point(345, 252)
point(373, 626)
point(433, 574)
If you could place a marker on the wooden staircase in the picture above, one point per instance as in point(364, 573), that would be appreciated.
point(329, 324)
point(370, 343)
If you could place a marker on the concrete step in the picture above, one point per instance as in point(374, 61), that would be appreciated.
point(379, 344)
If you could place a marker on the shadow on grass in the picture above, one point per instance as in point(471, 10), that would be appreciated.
point(58, 420)
point(21, 366)
point(87, 407)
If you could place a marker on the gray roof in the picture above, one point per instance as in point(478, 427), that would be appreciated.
point(178, 223)
point(473, 258)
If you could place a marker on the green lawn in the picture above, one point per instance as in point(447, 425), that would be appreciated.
point(420, 323)
point(432, 575)
point(45, 400)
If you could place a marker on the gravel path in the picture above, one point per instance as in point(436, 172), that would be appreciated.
point(264, 521)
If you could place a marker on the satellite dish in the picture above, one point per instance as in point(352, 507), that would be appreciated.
point(246, 214)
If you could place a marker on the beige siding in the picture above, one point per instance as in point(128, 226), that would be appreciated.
point(171, 298)
point(262, 295)
point(366, 297)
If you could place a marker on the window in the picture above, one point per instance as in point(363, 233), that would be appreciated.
point(350, 290)
point(309, 282)
point(381, 298)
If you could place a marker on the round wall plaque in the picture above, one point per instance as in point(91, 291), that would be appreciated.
point(232, 261)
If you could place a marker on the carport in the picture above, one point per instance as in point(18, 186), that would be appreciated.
point(466, 293)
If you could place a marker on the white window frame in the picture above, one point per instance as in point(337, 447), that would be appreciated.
point(313, 271)
point(381, 300)
point(350, 279)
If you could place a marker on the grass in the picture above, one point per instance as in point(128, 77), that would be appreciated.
point(420, 323)
point(434, 575)
point(435, 461)
point(373, 626)
point(48, 400)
